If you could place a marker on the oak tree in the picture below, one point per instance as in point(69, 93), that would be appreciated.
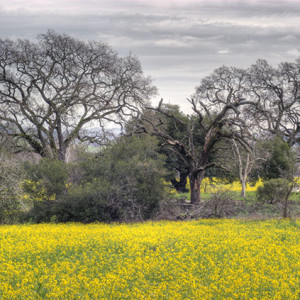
point(218, 106)
point(277, 90)
point(55, 90)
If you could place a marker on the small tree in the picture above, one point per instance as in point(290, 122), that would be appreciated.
point(280, 169)
point(281, 161)
point(242, 162)
point(177, 167)
point(273, 191)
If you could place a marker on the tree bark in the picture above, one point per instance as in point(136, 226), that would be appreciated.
point(243, 192)
point(62, 154)
point(195, 184)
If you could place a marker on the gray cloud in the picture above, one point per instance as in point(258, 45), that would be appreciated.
point(178, 42)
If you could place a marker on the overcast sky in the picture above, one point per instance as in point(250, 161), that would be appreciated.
point(177, 41)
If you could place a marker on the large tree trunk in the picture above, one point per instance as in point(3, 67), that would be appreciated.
point(195, 184)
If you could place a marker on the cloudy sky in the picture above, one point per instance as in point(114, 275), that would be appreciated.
point(177, 41)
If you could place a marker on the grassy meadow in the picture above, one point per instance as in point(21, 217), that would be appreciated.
point(203, 259)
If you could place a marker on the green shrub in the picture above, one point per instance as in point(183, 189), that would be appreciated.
point(281, 161)
point(273, 190)
point(88, 203)
point(134, 171)
point(46, 180)
point(122, 183)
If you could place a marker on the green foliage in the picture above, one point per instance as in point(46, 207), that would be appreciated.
point(174, 163)
point(46, 180)
point(88, 203)
point(134, 171)
point(121, 183)
point(281, 160)
point(189, 132)
point(273, 190)
point(175, 129)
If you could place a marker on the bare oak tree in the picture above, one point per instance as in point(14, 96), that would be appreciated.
point(54, 90)
point(278, 92)
point(218, 106)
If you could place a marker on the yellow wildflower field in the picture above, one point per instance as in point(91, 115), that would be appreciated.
point(204, 259)
point(212, 185)
point(216, 184)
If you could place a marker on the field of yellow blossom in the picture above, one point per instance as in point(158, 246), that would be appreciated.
point(212, 185)
point(204, 259)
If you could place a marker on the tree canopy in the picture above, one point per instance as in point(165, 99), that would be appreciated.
point(55, 90)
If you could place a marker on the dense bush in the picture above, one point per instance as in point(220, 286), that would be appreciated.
point(134, 171)
point(46, 180)
point(84, 204)
point(273, 190)
point(121, 183)
point(281, 160)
